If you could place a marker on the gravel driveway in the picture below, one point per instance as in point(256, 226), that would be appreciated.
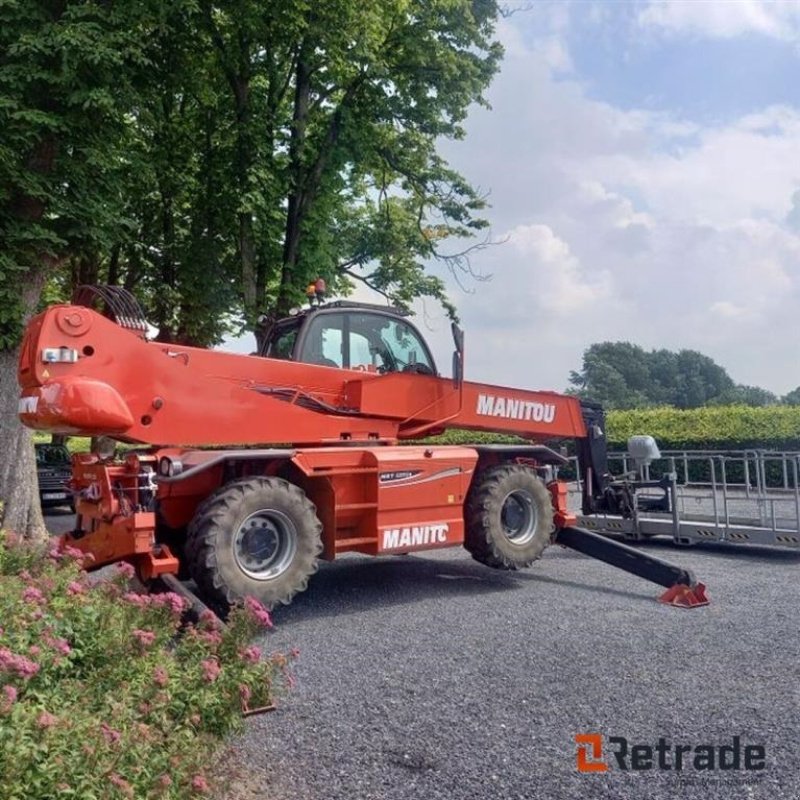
point(435, 677)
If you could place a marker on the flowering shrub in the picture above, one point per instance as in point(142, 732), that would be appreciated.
point(98, 695)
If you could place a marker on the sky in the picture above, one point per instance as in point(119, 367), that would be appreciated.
point(642, 164)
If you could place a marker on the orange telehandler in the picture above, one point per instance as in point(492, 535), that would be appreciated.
point(255, 467)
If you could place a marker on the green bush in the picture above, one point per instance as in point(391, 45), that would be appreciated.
point(99, 696)
point(709, 428)
point(719, 427)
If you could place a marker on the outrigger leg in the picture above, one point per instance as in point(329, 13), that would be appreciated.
point(683, 590)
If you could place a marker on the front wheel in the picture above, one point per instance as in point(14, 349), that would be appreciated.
point(509, 517)
point(258, 537)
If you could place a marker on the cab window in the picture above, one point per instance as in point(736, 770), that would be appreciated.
point(393, 345)
point(360, 340)
point(322, 343)
point(281, 342)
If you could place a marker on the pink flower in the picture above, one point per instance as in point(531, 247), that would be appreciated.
point(165, 780)
point(208, 619)
point(125, 570)
point(73, 554)
point(199, 783)
point(35, 650)
point(75, 588)
point(46, 720)
point(258, 612)
point(111, 736)
point(33, 595)
point(62, 646)
point(175, 603)
point(121, 784)
point(145, 638)
point(251, 654)
point(136, 599)
point(9, 698)
point(211, 670)
point(10, 662)
point(212, 638)
point(160, 677)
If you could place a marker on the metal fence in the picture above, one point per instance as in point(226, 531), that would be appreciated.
point(742, 497)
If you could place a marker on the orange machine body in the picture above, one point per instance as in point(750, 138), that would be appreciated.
point(332, 431)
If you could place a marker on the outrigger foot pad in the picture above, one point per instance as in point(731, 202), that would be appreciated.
point(683, 596)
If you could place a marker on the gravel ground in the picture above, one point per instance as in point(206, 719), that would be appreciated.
point(432, 676)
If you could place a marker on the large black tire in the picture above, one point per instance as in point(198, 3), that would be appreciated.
point(258, 537)
point(509, 517)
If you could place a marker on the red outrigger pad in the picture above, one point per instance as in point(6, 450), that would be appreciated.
point(683, 596)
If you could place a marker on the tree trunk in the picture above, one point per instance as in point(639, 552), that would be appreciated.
point(19, 485)
point(19, 482)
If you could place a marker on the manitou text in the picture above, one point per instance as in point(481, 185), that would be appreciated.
point(509, 408)
point(416, 536)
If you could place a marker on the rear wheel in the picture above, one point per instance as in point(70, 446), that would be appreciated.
point(258, 537)
point(509, 517)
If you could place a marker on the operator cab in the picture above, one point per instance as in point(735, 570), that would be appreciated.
point(349, 335)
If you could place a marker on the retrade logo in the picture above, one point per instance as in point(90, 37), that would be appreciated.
point(595, 754)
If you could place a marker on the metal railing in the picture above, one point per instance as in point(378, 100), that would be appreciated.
point(743, 496)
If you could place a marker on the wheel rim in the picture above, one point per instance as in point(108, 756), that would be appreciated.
point(519, 516)
point(265, 544)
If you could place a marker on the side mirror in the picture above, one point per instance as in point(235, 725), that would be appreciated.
point(458, 355)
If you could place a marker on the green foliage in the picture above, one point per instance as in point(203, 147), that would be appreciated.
point(624, 375)
point(742, 395)
point(725, 427)
point(215, 157)
point(711, 427)
point(64, 90)
point(336, 110)
point(99, 698)
point(792, 398)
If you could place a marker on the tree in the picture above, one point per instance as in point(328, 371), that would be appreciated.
point(615, 374)
point(743, 395)
point(792, 398)
point(63, 70)
point(623, 375)
point(337, 110)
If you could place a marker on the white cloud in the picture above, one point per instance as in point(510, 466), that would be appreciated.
point(724, 19)
point(629, 225)
point(726, 174)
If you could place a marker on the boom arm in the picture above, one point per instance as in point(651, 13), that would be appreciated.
point(81, 373)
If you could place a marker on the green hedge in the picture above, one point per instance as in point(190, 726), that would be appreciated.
point(717, 427)
point(712, 428)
